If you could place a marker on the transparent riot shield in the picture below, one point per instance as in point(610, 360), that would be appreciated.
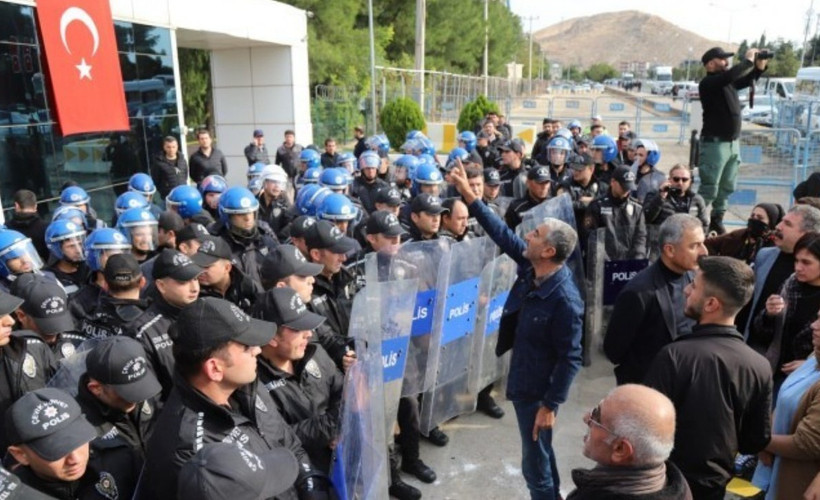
point(496, 281)
point(608, 272)
point(70, 369)
point(394, 303)
point(421, 261)
point(455, 319)
point(559, 207)
point(360, 468)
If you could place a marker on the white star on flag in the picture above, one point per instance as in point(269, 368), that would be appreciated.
point(85, 69)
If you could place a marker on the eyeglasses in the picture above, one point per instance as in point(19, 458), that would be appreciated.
point(594, 418)
point(680, 179)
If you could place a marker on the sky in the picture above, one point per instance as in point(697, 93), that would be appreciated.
point(714, 19)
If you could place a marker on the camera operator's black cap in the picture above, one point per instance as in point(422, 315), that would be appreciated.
point(715, 53)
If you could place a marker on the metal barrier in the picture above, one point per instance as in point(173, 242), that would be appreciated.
point(773, 162)
point(567, 108)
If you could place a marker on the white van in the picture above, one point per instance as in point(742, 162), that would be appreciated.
point(776, 88)
point(807, 84)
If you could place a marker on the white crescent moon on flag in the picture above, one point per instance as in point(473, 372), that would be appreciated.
point(72, 14)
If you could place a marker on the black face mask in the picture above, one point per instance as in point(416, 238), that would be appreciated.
point(757, 228)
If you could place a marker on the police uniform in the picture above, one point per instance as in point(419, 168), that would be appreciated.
point(309, 399)
point(518, 207)
point(366, 191)
point(242, 290)
point(111, 317)
point(576, 191)
point(248, 253)
point(277, 214)
point(83, 303)
point(625, 235)
point(72, 282)
point(190, 419)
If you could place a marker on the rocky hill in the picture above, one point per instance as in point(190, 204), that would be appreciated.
point(615, 37)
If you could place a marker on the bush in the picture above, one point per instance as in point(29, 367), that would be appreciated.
point(398, 117)
point(474, 111)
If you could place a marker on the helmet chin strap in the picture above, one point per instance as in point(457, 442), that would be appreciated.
point(244, 233)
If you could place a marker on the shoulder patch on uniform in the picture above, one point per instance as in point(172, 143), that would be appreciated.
point(29, 366)
point(107, 486)
point(146, 409)
point(313, 369)
point(260, 405)
point(67, 350)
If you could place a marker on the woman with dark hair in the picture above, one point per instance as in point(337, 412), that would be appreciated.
point(784, 325)
point(744, 243)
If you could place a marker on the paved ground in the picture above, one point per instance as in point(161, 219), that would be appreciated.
point(483, 458)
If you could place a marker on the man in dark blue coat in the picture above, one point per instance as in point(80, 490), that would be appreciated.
point(541, 322)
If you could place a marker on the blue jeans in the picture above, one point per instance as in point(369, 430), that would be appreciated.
point(538, 459)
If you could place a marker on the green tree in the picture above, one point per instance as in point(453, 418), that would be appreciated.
point(400, 116)
point(474, 111)
point(195, 80)
point(786, 60)
point(601, 71)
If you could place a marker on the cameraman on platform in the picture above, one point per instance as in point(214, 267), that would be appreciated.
point(719, 144)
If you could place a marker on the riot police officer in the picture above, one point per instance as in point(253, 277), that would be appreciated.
point(539, 182)
point(211, 188)
point(583, 187)
point(604, 153)
point(18, 256)
point(121, 305)
point(621, 216)
point(334, 287)
point(249, 238)
point(368, 183)
point(274, 207)
point(220, 278)
point(65, 241)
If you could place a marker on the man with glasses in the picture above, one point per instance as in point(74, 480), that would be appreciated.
point(630, 437)
point(675, 196)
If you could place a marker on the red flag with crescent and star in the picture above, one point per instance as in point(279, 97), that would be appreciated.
point(83, 65)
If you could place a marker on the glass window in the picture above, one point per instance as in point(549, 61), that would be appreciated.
point(152, 40)
point(125, 36)
point(17, 24)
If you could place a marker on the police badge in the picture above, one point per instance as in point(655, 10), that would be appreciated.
point(67, 349)
point(313, 369)
point(107, 487)
point(29, 366)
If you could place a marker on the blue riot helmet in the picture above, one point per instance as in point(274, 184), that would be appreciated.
point(143, 184)
point(558, 150)
point(302, 197)
point(347, 161)
point(140, 229)
point(17, 254)
point(65, 240)
point(255, 170)
point(184, 200)
point(129, 199)
point(213, 184)
point(411, 147)
point(606, 145)
point(255, 186)
point(406, 166)
point(73, 214)
point(383, 147)
point(414, 134)
point(573, 125)
point(427, 175)
point(457, 153)
point(428, 160)
point(310, 159)
point(468, 139)
point(427, 147)
point(314, 148)
point(335, 179)
point(103, 243)
point(369, 164)
point(372, 143)
point(236, 201)
point(563, 132)
point(336, 207)
point(311, 176)
point(74, 196)
point(653, 152)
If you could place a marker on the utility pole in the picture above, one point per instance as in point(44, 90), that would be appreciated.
point(809, 16)
point(486, 61)
point(421, 18)
point(530, 19)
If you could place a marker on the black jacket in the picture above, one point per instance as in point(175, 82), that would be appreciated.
point(722, 391)
point(721, 105)
point(27, 364)
point(190, 420)
point(333, 299)
point(72, 282)
point(576, 191)
point(623, 221)
point(151, 330)
point(539, 149)
point(278, 214)
point(242, 291)
point(256, 155)
point(32, 226)
point(515, 212)
point(642, 322)
point(658, 209)
point(247, 254)
point(84, 302)
point(202, 166)
point(168, 174)
point(366, 191)
point(675, 488)
point(328, 160)
point(309, 400)
point(288, 159)
point(111, 317)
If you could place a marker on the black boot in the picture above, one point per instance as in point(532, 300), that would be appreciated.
point(437, 437)
point(401, 490)
point(487, 404)
point(419, 469)
point(716, 223)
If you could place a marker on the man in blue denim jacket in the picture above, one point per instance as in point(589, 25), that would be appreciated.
point(541, 322)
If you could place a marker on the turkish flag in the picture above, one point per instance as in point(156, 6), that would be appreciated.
point(81, 52)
